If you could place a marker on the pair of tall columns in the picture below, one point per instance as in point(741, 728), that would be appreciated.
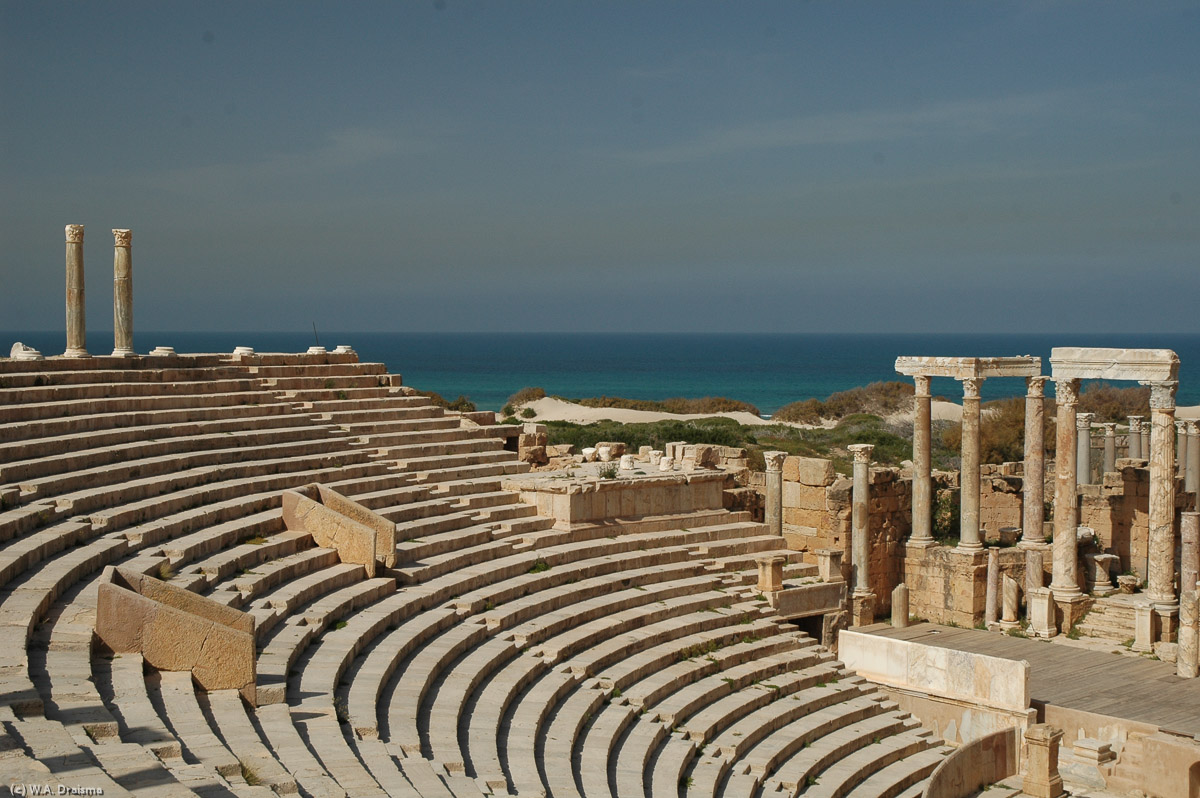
point(122, 294)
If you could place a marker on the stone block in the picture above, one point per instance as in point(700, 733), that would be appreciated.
point(385, 530)
point(354, 542)
point(812, 471)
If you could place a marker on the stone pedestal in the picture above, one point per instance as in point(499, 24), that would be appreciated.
point(922, 484)
point(1064, 580)
point(1187, 662)
point(122, 294)
point(1035, 565)
point(1040, 604)
point(1110, 447)
point(1041, 766)
point(1034, 484)
point(1010, 603)
point(1135, 438)
point(770, 573)
point(860, 517)
point(76, 316)
point(900, 606)
point(1160, 579)
point(991, 612)
point(1189, 550)
point(968, 538)
point(862, 612)
point(1098, 573)
point(773, 514)
point(1144, 627)
point(829, 565)
point(1166, 616)
point(1070, 611)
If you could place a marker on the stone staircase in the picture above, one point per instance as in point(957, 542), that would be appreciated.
point(1113, 617)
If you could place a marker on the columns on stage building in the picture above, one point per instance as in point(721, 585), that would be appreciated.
point(1191, 482)
point(863, 599)
point(1110, 447)
point(1135, 438)
point(76, 317)
point(969, 538)
point(1034, 482)
point(1161, 577)
point(773, 513)
point(122, 294)
point(1064, 583)
point(922, 480)
point(1083, 448)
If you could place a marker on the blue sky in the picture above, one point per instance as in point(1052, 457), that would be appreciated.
point(819, 166)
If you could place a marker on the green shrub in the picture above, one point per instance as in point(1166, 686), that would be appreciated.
point(678, 405)
point(526, 395)
point(462, 404)
point(878, 398)
point(528, 412)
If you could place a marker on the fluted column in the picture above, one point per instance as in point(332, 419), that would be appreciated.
point(861, 516)
point(1034, 483)
point(1135, 437)
point(1083, 448)
point(76, 317)
point(1192, 480)
point(122, 294)
point(773, 513)
point(1161, 577)
point(922, 482)
point(1110, 446)
point(1064, 583)
point(968, 536)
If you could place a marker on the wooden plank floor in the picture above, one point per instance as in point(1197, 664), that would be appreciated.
point(1138, 688)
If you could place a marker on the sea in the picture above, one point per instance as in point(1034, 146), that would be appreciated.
point(766, 370)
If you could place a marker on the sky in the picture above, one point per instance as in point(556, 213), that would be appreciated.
point(617, 166)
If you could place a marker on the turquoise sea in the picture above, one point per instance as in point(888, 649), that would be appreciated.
point(767, 370)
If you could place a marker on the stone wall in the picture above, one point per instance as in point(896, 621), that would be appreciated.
point(585, 501)
point(976, 765)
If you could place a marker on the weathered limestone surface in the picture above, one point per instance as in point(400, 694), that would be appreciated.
point(1010, 601)
point(385, 540)
point(770, 573)
point(1110, 447)
point(922, 485)
point(860, 515)
point(355, 542)
point(1094, 363)
point(961, 368)
point(948, 673)
point(76, 306)
point(1135, 437)
point(1040, 605)
point(122, 294)
point(774, 484)
point(582, 501)
point(900, 606)
point(1083, 446)
point(991, 613)
point(176, 630)
point(1192, 480)
point(805, 601)
point(1187, 662)
point(1189, 550)
point(1161, 576)
point(813, 471)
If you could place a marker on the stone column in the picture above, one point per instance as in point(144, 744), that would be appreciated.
point(1041, 770)
point(76, 318)
point(1083, 448)
point(1161, 576)
point(122, 294)
point(1135, 437)
point(922, 483)
point(1110, 447)
point(1192, 481)
point(1181, 447)
point(1189, 550)
point(1010, 603)
point(968, 536)
point(1034, 571)
point(1034, 482)
point(991, 611)
point(900, 606)
point(860, 517)
point(774, 510)
point(1063, 580)
point(1145, 435)
point(1187, 663)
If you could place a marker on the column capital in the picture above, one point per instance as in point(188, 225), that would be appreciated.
point(1035, 387)
point(861, 451)
point(122, 238)
point(922, 383)
point(1162, 394)
point(74, 233)
point(1066, 392)
point(1110, 428)
point(1193, 427)
point(1083, 421)
point(1135, 423)
point(1180, 425)
point(774, 460)
point(971, 386)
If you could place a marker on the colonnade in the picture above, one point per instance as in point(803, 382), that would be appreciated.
point(122, 294)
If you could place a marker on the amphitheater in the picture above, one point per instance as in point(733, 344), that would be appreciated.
point(250, 574)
